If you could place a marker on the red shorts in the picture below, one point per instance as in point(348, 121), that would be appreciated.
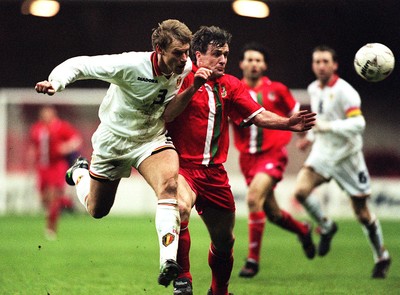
point(211, 186)
point(52, 176)
point(272, 162)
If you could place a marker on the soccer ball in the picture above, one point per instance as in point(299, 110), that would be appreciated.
point(374, 62)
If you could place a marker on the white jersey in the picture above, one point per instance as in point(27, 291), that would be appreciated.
point(137, 96)
point(339, 104)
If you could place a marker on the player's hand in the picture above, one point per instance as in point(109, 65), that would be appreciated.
point(322, 126)
point(201, 77)
point(302, 121)
point(44, 87)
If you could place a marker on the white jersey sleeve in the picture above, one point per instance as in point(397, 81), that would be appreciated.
point(136, 98)
point(339, 105)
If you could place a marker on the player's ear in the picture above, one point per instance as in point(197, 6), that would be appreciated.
point(197, 54)
point(158, 49)
point(264, 67)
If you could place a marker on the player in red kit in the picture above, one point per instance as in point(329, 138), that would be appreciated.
point(52, 140)
point(201, 136)
point(263, 157)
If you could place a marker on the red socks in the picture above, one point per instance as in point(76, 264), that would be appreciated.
point(289, 223)
point(221, 265)
point(256, 225)
point(183, 251)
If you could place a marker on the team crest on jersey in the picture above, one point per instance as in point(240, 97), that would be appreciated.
point(178, 82)
point(272, 96)
point(168, 239)
point(223, 91)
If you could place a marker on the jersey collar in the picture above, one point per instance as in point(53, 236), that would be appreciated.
point(333, 80)
point(154, 62)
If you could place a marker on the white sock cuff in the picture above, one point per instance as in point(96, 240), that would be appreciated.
point(167, 202)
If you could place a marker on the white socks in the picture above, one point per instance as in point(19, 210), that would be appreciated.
point(168, 227)
point(313, 208)
point(373, 232)
point(81, 178)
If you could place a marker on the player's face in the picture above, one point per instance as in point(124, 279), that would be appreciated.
point(323, 66)
point(214, 59)
point(47, 114)
point(174, 58)
point(253, 65)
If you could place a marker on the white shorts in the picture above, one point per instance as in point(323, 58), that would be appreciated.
point(351, 173)
point(114, 156)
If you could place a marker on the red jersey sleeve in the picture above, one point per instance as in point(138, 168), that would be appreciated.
point(241, 108)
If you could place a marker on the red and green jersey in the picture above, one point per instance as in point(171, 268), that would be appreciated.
point(274, 97)
point(201, 132)
point(48, 139)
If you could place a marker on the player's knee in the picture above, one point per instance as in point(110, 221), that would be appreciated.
point(363, 217)
point(184, 210)
point(301, 194)
point(252, 201)
point(97, 213)
point(170, 187)
point(229, 244)
point(224, 243)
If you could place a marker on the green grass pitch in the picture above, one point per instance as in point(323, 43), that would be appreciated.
point(119, 255)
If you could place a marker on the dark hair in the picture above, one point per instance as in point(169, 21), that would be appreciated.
point(327, 48)
point(209, 35)
point(255, 47)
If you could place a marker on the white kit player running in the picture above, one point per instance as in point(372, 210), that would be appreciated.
point(337, 154)
point(132, 128)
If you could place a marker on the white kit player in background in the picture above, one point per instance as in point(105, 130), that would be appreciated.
point(132, 128)
point(337, 154)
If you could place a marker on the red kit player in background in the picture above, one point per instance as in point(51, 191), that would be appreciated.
point(52, 141)
point(263, 157)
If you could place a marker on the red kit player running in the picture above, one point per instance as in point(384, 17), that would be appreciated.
point(52, 140)
point(263, 158)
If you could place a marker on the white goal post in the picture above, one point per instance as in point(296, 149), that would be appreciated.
point(17, 112)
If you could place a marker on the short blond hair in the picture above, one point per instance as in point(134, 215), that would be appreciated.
point(168, 31)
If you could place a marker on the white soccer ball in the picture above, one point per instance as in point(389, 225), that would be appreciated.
point(374, 62)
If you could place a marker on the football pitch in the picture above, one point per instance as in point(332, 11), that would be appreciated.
point(119, 255)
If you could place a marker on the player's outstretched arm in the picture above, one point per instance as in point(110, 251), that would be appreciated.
point(45, 87)
point(300, 121)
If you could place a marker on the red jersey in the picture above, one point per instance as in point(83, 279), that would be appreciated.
point(201, 133)
point(277, 98)
point(47, 139)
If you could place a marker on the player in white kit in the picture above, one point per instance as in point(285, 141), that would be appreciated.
point(337, 154)
point(132, 128)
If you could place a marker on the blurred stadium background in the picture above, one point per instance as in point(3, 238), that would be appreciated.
point(31, 46)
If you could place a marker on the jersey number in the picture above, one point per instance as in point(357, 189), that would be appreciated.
point(161, 96)
point(362, 177)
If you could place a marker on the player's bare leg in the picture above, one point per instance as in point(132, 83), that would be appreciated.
point(50, 203)
point(96, 195)
point(285, 220)
point(373, 231)
point(306, 181)
point(160, 170)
